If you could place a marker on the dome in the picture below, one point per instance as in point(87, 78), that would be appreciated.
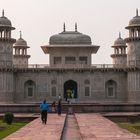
point(119, 41)
point(4, 21)
point(135, 21)
point(20, 42)
point(69, 37)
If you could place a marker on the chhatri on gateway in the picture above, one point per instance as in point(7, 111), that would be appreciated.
point(70, 72)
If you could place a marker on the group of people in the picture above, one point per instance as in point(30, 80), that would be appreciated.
point(45, 109)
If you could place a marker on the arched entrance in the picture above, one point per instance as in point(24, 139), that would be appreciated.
point(29, 89)
point(111, 87)
point(70, 89)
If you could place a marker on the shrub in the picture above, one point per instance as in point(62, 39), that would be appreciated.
point(8, 117)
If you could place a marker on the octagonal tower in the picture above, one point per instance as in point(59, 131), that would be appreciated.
point(20, 53)
point(6, 60)
point(133, 59)
point(133, 41)
point(119, 57)
point(6, 42)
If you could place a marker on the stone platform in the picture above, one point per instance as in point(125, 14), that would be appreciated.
point(77, 107)
point(91, 126)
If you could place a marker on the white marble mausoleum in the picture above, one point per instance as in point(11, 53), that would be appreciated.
point(70, 73)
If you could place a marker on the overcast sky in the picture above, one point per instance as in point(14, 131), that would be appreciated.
point(100, 19)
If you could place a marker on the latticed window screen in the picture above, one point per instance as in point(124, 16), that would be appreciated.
point(57, 60)
point(111, 88)
point(30, 91)
point(87, 82)
point(83, 60)
point(110, 91)
point(70, 60)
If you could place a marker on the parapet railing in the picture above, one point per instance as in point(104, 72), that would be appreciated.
point(47, 66)
point(72, 66)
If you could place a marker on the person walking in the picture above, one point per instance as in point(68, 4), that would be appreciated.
point(59, 97)
point(44, 111)
point(59, 107)
point(54, 107)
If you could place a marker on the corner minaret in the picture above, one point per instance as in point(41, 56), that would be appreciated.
point(6, 60)
point(119, 57)
point(20, 53)
point(133, 41)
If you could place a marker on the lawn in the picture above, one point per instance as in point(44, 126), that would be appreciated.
point(6, 129)
point(132, 127)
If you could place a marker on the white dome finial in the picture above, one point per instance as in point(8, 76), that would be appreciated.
point(64, 27)
point(137, 12)
point(20, 34)
point(119, 34)
point(3, 13)
point(75, 27)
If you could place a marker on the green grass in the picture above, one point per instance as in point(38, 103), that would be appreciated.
point(131, 127)
point(9, 128)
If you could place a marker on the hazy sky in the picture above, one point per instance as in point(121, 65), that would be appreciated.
point(100, 19)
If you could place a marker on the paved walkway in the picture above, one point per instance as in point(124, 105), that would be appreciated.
point(96, 127)
point(79, 127)
point(35, 130)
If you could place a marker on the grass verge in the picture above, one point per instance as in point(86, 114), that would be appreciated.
point(132, 127)
point(6, 129)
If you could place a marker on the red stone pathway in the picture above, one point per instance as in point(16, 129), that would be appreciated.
point(89, 127)
point(35, 130)
point(95, 127)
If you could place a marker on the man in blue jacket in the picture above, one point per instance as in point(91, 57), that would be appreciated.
point(44, 111)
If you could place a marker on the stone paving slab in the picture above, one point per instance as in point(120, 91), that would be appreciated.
point(96, 127)
point(35, 130)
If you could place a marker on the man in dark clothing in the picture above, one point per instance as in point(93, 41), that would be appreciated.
point(44, 111)
point(59, 107)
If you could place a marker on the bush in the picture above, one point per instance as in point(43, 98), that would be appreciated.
point(8, 117)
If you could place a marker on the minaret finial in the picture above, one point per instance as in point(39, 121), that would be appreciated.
point(137, 12)
point(119, 34)
point(20, 34)
point(75, 27)
point(3, 13)
point(64, 27)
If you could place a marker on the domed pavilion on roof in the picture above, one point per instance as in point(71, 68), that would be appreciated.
point(70, 48)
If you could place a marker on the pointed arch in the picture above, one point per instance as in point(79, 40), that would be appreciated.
point(111, 88)
point(70, 89)
point(87, 82)
point(29, 89)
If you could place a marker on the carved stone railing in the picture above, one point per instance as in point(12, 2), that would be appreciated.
point(135, 63)
point(92, 66)
point(65, 67)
